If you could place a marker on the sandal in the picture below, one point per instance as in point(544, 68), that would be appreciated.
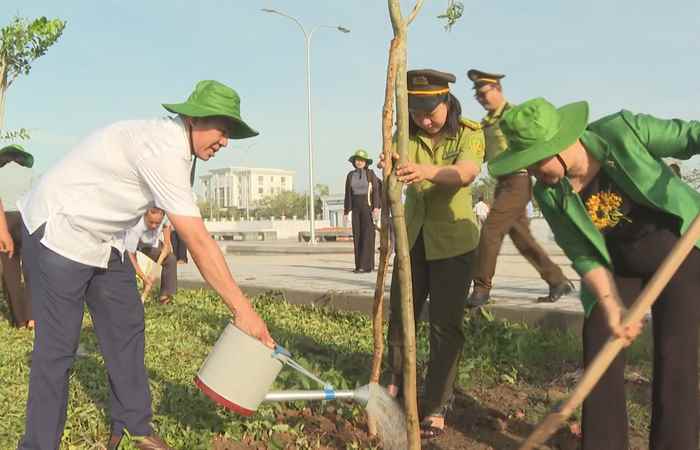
point(428, 431)
point(166, 300)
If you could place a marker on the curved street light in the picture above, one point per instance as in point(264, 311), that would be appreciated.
point(307, 42)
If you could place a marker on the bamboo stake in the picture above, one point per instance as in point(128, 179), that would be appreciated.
point(608, 353)
point(385, 244)
point(402, 259)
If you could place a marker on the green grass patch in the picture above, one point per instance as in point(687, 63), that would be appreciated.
point(336, 346)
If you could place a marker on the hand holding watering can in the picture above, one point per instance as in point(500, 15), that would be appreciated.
point(248, 321)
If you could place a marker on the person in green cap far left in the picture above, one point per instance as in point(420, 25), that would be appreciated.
point(16, 170)
point(362, 198)
point(616, 209)
point(74, 221)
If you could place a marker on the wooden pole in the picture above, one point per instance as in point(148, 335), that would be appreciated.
point(385, 239)
point(608, 353)
point(402, 261)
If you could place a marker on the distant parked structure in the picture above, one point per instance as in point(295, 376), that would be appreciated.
point(242, 187)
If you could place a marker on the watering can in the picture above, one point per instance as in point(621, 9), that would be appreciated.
point(240, 370)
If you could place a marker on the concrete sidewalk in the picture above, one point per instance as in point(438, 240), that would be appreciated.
point(322, 275)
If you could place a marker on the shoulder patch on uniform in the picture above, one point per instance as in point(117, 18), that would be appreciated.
point(468, 123)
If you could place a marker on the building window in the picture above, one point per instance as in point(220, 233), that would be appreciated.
point(260, 190)
point(260, 179)
point(272, 179)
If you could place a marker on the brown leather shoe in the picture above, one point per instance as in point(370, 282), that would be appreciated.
point(113, 442)
point(151, 442)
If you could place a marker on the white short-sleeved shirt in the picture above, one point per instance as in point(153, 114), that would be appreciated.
point(16, 181)
point(481, 209)
point(105, 184)
point(141, 233)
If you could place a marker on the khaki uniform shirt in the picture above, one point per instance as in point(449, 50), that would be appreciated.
point(495, 141)
point(444, 213)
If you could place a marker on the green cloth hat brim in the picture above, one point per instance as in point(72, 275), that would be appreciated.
point(239, 129)
point(17, 154)
point(366, 160)
point(574, 118)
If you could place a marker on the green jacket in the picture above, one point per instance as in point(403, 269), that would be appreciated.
point(629, 147)
point(444, 213)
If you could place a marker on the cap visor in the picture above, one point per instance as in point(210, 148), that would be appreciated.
point(425, 103)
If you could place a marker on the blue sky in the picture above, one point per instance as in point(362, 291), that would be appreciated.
point(122, 59)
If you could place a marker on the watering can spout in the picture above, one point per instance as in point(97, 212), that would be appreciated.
point(360, 395)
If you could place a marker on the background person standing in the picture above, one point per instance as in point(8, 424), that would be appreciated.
point(508, 212)
point(16, 169)
point(362, 197)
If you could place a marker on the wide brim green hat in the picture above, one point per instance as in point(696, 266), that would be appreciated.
point(360, 154)
point(16, 153)
point(537, 130)
point(211, 98)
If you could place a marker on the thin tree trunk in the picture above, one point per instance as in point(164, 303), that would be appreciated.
point(402, 261)
point(385, 240)
point(3, 91)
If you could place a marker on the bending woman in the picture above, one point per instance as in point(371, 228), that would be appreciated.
point(616, 209)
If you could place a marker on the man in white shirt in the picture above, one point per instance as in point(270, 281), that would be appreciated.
point(75, 219)
point(146, 238)
point(16, 170)
point(481, 210)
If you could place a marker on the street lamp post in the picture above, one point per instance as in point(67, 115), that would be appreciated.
point(307, 42)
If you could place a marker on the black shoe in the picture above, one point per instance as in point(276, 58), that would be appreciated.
point(557, 291)
point(478, 298)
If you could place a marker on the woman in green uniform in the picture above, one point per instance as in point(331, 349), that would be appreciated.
point(616, 209)
point(445, 154)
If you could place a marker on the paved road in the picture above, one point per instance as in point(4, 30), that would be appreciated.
point(325, 277)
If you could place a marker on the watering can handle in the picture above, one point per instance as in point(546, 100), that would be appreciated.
point(285, 357)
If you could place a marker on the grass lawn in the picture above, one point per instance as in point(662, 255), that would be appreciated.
point(510, 376)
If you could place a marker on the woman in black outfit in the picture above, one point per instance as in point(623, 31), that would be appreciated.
point(362, 197)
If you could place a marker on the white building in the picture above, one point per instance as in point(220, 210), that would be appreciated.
point(243, 187)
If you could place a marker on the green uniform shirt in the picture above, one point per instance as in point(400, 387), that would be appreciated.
point(495, 141)
point(444, 213)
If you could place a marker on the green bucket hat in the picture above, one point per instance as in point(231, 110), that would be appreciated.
point(536, 130)
point(360, 154)
point(211, 98)
point(16, 153)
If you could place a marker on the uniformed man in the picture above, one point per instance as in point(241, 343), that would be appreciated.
point(508, 213)
point(16, 169)
point(445, 154)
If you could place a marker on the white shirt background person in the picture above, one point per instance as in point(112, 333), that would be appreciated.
point(141, 233)
point(481, 210)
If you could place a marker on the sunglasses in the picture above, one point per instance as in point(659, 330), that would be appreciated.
point(482, 94)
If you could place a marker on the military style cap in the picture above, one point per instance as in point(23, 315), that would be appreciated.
point(480, 78)
point(427, 88)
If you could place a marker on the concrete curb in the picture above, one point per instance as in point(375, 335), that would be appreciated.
point(362, 303)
